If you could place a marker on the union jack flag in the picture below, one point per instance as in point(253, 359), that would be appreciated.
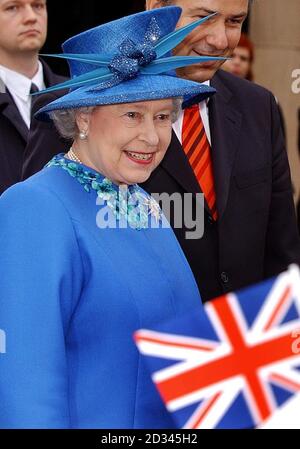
point(231, 363)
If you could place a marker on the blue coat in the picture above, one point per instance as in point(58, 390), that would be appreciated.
point(71, 297)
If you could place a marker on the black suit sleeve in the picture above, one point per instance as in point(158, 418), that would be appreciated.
point(282, 239)
point(43, 140)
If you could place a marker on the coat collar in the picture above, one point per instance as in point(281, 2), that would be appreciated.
point(9, 110)
point(51, 78)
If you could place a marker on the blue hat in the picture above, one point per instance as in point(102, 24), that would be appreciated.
point(128, 60)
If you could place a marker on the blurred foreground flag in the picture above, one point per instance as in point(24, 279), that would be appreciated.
point(233, 362)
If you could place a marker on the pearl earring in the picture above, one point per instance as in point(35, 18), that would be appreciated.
point(83, 135)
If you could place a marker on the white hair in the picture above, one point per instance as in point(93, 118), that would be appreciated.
point(66, 124)
point(65, 121)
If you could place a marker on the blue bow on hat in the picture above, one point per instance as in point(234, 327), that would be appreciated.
point(128, 60)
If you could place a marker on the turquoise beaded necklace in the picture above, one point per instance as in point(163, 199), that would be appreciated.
point(130, 202)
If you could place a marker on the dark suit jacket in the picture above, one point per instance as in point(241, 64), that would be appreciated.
point(256, 234)
point(14, 134)
point(44, 140)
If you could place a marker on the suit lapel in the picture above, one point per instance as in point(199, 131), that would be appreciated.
point(177, 165)
point(11, 112)
point(225, 124)
point(51, 78)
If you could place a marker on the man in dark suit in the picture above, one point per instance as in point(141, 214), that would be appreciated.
point(250, 232)
point(254, 235)
point(23, 30)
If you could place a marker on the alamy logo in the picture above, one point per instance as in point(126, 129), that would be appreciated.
point(296, 342)
point(122, 209)
point(2, 87)
point(296, 83)
point(2, 342)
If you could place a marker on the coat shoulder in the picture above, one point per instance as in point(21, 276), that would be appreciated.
point(240, 87)
point(39, 192)
point(51, 78)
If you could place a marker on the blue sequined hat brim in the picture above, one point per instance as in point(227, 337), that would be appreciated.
point(142, 88)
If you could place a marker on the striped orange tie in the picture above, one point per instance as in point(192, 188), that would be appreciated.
point(197, 148)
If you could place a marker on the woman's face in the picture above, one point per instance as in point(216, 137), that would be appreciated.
point(126, 142)
point(240, 63)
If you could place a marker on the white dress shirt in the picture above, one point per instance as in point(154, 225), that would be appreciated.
point(203, 108)
point(19, 88)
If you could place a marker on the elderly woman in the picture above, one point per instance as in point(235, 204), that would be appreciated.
point(85, 254)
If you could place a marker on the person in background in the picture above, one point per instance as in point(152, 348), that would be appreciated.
point(23, 31)
point(241, 60)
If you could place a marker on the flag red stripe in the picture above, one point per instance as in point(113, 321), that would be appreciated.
point(273, 318)
point(283, 380)
point(179, 345)
point(235, 364)
point(204, 411)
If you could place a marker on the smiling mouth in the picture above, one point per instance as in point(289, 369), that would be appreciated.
point(30, 32)
point(208, 56)
point(140, 157)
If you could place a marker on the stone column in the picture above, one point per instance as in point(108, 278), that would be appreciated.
point(275, 31)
